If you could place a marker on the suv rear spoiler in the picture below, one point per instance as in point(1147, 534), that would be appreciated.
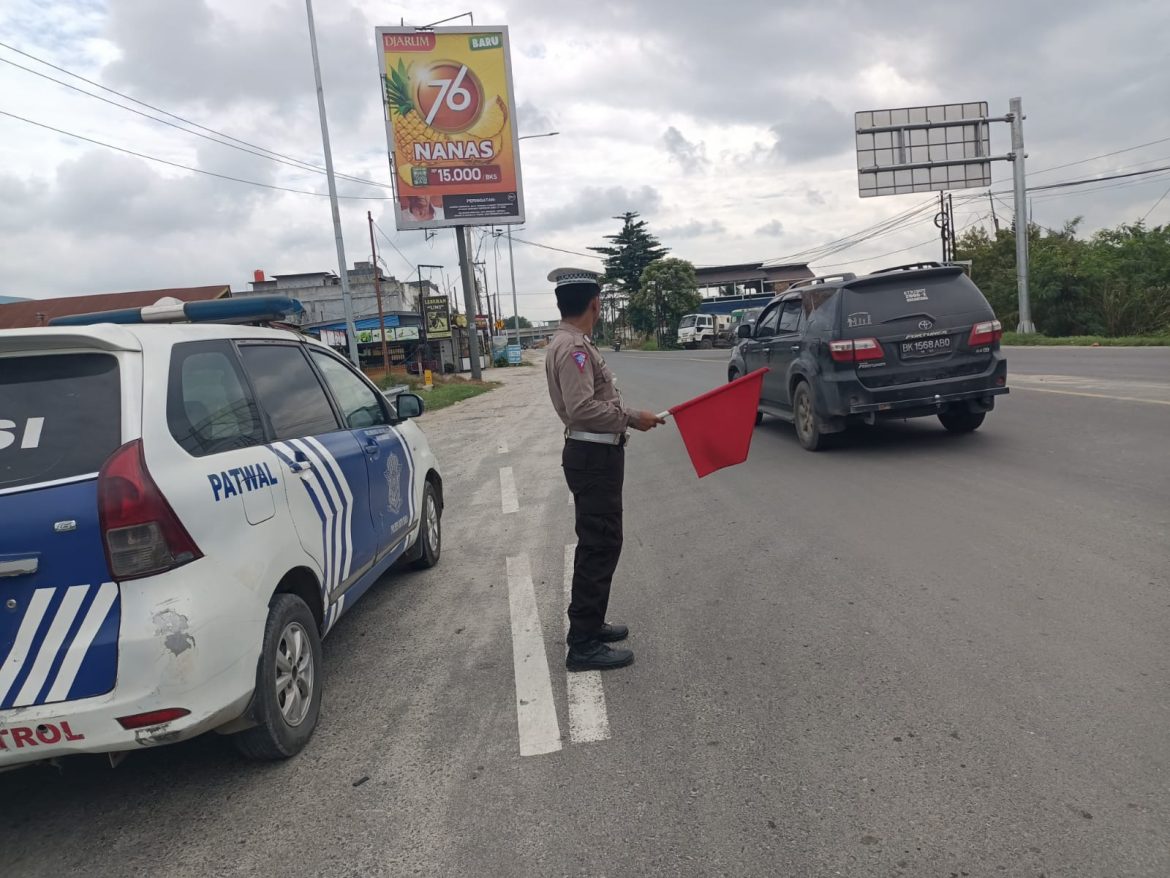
point(917, 269)
point(54, 338)
point(845, 276)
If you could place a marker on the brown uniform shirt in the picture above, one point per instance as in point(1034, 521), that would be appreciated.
point(582, 388)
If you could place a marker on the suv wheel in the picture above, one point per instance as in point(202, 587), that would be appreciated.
point(962, 421)
point(430, 533)
point(287, 702)
point(804, 417)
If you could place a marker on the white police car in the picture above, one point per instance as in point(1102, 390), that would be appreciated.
point(185, 511)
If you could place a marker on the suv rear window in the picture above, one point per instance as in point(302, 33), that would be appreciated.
point(60, 417)
point(900, 298)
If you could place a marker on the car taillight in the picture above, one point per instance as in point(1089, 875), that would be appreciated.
point(856, 350)
point(142, 534)
point(988, 332)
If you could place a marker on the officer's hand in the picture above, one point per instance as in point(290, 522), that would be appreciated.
point(644, 421)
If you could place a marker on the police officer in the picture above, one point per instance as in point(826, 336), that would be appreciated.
point(586, 398)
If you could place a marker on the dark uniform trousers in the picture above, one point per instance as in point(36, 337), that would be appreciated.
point(595, 474)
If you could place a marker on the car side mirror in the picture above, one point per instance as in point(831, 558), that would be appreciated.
point(745, 330)
point(409, 405)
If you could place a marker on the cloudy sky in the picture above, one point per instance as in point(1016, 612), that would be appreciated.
point(728, 126)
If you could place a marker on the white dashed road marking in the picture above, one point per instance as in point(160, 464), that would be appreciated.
point(536, 713)
point(588, 719)
point(509, 502)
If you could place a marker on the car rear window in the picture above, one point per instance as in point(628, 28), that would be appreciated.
point(888, 301)
point(60, 417)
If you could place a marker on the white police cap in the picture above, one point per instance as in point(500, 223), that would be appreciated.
point(564, 276)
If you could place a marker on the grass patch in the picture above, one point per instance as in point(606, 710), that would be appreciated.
point(447, 391)
point(649, 344)
point(1037, 340)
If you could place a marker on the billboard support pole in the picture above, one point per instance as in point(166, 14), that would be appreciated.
point(346, 300)
point(515, 304)
point(465, 269)
point(1026, 326)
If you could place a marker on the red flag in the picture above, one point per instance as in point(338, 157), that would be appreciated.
point(717, 427)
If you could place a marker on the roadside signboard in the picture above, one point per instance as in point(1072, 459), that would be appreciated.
point(923, 149)
point(438, 317)
point(515, 356)
point(450, 126)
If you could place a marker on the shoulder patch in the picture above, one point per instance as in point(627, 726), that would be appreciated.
point(580, 358)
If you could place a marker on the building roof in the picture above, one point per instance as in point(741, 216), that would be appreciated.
point(38, 312)
point(712, 275)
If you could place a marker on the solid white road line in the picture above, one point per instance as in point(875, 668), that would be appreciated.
point(508, 499)
point(536, 712)
point(588, 719)
point(1021, 386)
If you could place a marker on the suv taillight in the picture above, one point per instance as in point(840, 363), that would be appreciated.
point(142, 534)
point(985, 333)
point(856, 350)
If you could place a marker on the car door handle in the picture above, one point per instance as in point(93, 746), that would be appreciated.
point(301, 463)
point(371, 447)
point(19, 566)
point(796, 347)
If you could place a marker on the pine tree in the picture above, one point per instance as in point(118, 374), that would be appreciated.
point(633, 248)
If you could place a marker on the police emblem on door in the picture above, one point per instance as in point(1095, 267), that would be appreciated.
point(394, 483)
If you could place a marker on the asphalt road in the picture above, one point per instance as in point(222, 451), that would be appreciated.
point(912, 654)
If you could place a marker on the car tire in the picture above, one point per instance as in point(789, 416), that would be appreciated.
point(962, 421)
point(804, 418)
point(289, 680)
point(430, 531)
point(759, 418)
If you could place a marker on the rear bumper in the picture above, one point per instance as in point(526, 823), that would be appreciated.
point(935, 401)
point(844, 395)
point(188, 639)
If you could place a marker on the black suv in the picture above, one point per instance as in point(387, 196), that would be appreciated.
point(903, 342)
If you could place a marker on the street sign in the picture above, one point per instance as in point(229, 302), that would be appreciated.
point(923, 149)
point(515, 355)
point(450, 124)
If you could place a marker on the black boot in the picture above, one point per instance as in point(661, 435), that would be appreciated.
point(612, 633)
point(593, 655)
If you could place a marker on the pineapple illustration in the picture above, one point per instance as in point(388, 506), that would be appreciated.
point(408, 125)
point(491, 127)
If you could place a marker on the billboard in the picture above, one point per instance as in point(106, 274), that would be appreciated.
point(450, 126)
point(923, 149)
point(438, 317)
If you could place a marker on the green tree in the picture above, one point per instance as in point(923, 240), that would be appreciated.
point(667, 291)
point(510, 323)
point(628, 254)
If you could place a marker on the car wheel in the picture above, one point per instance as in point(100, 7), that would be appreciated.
point(287, 702)
point(430, 534)
point(962, 421)
point(805, 418)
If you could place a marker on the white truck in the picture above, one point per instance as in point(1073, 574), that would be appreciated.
point(703, 330)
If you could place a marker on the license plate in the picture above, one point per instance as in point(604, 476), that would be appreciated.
point(926, 347)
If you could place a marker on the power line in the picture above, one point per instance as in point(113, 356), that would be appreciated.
point(1087, 181)
point(413, 267)
point(1104, 155)
point(1161, 198)
point(926, 243)
point(555, 249)
point(183, 167)
point(244, 146)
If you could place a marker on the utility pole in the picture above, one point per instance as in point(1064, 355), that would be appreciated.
point(515, 306)
point(378, 295)
point(469, 301)
point(346, 300)
point(1016, 107)
point(994, 217)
